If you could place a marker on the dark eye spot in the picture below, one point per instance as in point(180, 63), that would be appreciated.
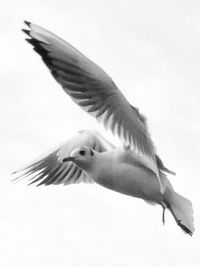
point(82, 152)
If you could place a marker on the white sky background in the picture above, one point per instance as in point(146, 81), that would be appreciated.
point(151, 50)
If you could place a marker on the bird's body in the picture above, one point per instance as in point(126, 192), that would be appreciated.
point(133, 169)
point(117, 171)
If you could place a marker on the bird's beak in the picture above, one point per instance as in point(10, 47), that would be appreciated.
point(68, 159)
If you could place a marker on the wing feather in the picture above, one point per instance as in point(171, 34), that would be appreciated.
point(91, 88)
point(51, 170)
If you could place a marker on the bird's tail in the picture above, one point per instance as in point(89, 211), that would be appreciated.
point(181, 209)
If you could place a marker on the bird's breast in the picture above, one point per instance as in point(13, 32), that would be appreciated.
point(129, 179)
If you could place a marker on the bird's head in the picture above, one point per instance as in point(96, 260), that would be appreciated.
point(81, 156)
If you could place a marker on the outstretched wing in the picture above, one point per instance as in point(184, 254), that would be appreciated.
point(51, 170)
point(92, 89)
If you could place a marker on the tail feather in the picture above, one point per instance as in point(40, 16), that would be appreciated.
point(181, 209)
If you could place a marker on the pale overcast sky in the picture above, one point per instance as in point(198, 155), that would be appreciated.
point(151, 50)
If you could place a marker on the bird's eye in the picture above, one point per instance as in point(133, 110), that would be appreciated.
point(82, 152)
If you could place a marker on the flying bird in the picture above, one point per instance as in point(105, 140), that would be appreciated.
point(134, 168)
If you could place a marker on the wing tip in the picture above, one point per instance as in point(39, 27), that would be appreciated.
point(30, 41)
point(27, 23)
point(26, 32)
point(185, 228)
point(170, 172)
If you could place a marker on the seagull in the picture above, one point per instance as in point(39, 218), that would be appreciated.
point(134, 168)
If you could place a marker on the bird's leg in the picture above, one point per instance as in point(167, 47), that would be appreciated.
point(163, 214)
